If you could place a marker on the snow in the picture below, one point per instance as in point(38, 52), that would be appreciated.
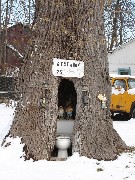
point(131, 91)
point(13, 166)
point(14, 49)
point(6, 118)
point(117, 91)
point(122, 76)
point(121, 91)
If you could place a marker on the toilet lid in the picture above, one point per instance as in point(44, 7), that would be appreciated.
point(62, 137)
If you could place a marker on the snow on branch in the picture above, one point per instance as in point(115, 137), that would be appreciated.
point(15, 50)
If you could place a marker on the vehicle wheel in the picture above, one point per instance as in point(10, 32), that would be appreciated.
point(133, 112)
point(112, 115)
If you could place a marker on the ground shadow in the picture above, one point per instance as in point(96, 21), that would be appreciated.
point(121, 117)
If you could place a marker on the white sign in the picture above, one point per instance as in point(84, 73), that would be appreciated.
point(67, 68)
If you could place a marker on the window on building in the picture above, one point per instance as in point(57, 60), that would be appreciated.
point(124, 71)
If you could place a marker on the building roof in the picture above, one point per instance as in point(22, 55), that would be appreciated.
point(123, 46)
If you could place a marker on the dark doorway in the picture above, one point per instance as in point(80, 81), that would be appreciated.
point(67, 97)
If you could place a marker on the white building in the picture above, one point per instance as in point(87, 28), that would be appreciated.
point(122, 60)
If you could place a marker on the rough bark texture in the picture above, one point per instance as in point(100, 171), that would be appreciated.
point(68, 30)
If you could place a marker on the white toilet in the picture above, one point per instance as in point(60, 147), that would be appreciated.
point(63, 137)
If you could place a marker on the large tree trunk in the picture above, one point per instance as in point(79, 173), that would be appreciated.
point(68, 30)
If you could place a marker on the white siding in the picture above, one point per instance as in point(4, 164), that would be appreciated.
point(123, 57)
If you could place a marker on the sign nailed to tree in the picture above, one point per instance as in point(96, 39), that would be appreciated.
point(68, 68)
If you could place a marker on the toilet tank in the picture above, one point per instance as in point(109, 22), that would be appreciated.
point(65, 127)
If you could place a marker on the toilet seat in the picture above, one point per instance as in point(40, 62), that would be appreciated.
point(62, 137)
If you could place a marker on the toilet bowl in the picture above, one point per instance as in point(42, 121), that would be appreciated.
point(62, 143)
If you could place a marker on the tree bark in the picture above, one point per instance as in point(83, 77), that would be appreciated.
point(74, 30)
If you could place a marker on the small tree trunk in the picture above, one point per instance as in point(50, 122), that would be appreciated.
point(68, 30)
point(114, 37)
point(121, 28)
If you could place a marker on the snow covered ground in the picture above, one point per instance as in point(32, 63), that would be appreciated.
point(75, 168)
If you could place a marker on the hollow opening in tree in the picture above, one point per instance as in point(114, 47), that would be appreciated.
point(67, 99)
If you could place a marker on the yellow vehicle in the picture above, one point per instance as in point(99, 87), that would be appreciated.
point(123, 95)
